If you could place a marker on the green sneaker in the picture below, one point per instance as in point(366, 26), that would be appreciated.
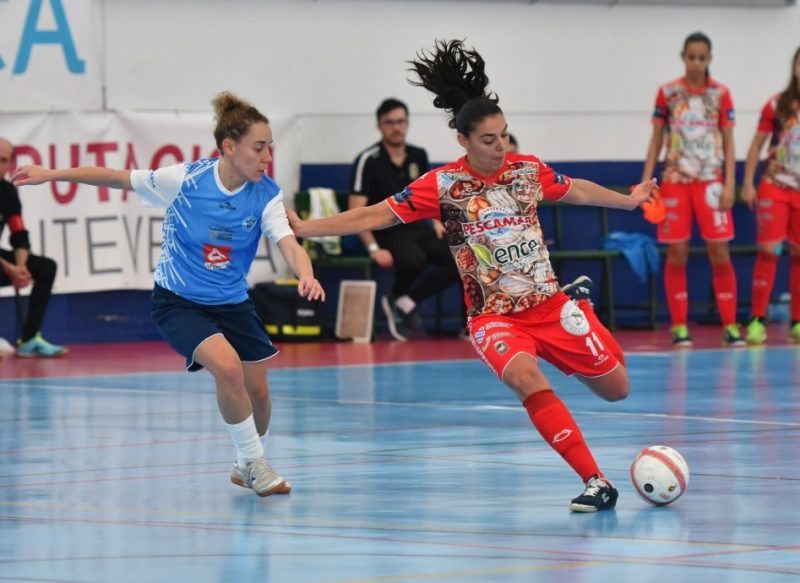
point(756, 331)
point(680, 336)
point(732, 337)
point(38, 347)
point(794, 332)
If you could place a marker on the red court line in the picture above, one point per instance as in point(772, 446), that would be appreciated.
point(156, 356)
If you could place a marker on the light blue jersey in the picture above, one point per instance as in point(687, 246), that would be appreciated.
point(210, 234)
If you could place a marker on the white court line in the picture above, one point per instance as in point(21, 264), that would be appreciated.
point(658, 415)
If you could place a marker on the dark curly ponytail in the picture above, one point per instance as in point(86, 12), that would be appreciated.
point(457, 78)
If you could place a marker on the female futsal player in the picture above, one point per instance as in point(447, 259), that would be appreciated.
point(487, 201)
point(217, 209)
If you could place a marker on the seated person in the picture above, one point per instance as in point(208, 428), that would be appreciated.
point(20, 268)
point(417, 252)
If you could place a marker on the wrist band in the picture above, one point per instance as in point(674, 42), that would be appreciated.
point(372, 247)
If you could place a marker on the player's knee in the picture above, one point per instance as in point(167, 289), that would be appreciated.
point(618, 393)
point(229, 374)
point(617, 386)
point(259, 394)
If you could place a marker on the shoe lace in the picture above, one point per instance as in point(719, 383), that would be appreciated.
point(593, 487)
point(260, 469)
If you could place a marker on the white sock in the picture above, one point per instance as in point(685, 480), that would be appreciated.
point(264, 440)
point(405, 304)
point(245, 438)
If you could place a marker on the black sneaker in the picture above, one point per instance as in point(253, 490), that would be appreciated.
point(410, 322)
point(393, 319)
point(600, 494)
point(580, 289)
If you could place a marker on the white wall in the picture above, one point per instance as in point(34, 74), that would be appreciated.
point(576, 81)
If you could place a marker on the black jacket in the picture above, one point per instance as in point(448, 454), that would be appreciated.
point(10, 206)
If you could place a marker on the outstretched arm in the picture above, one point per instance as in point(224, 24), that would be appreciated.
point(298, 260)
point(91, 175)
point(589, 193)
point(365, 218)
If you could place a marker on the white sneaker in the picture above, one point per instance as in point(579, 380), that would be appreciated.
point(260, 477)
point(6, 348)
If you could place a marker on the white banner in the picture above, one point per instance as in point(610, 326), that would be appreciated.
point(51, 54)
point(103, 238)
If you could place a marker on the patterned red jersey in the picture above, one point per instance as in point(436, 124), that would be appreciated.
point(694, 116)
point(782, 166)
point(492, 228)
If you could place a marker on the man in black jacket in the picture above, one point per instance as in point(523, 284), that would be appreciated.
point(417, 252)
point(20, 268)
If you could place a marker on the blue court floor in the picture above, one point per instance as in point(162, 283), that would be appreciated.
point(402, 472)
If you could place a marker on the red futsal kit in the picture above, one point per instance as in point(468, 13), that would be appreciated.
point(692, 180)
point(778, 212)
point(512, 295)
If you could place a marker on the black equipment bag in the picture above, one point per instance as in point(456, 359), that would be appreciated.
point(285, 314)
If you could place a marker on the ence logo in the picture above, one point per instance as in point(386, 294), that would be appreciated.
point(60, 35)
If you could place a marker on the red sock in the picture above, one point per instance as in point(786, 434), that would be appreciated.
point(554, 422)
point(602, 332)
point(677, 294)
point(794, 287)
point(763, 280)
point(724, 280)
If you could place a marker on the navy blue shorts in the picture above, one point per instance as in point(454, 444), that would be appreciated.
point(185, 325)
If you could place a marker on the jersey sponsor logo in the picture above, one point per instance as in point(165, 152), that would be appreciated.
point(404, 197)
point(496, 222)
point(217, 256)
point(249, 222)
point(227, 206)
point(219, 233)
point(573, 319)
point(491, 325)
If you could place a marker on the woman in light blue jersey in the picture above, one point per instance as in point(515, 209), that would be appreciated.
point(217, 210)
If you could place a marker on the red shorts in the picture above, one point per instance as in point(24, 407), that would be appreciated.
point(557, 330)
point(777, 214)
point(698, 199)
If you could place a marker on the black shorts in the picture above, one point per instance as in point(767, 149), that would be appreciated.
point(185, 325)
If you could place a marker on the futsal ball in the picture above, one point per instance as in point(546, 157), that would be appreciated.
point(660, 474)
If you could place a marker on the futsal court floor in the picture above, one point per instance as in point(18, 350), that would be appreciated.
point(409, 462)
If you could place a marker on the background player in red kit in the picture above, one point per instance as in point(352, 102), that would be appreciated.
point(777, 202)
point(487, 201)
point(695, 114)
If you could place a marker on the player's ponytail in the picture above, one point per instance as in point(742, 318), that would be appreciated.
point(456, 76)
point(234, 116)
point(791, 95)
